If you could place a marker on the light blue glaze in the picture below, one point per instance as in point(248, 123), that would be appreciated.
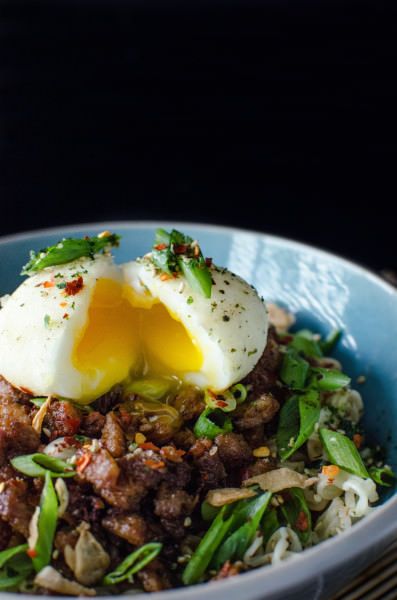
point(325, 292)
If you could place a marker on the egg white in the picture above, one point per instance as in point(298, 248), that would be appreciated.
point(229, 329)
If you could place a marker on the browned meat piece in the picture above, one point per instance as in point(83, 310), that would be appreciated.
point(264, 375)
point(141, 468)
point(161, 430)
point(92, 424)
point(17, 435)
point(260, 466)
point(173, 504)
point(179, 475)
point(11, 393)
point(83, 505)
point(127, 495)
point(130, 527)
point(113, 436)
point(255, 436)
point(199, 447)
point(109, 400)
point(211, 469)
point(154, 577)
point(233, 450)
point(189, 403)
point(62, 419)
point(14, 507)
point(184, 439)
point(101, 471)
point(251, 414)
point(5, 534)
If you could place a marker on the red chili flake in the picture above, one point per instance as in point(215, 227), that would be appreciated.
point(83, 461)
point(31, 552)
point(165, 276)
point(154, 464)
point(73, 287)
point(180, 248)
point(149, 446)
point(208, 262)
point(172, 454)
point(358, 440)
point(160, 247)
point(63, 304)
point(221, 403)
point(65, 316)
point(302, 523)
point(48, 284)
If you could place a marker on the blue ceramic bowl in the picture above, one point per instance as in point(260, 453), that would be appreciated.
point(325, 292)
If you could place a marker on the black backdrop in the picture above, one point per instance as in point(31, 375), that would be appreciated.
point(274, 115)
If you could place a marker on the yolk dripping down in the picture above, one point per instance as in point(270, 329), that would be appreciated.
point(120, 337)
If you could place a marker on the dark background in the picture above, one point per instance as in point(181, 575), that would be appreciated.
point(274, 115)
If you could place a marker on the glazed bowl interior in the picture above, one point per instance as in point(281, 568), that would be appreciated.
point(325, 292)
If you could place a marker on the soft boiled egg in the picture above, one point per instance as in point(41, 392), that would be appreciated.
point(76, 330)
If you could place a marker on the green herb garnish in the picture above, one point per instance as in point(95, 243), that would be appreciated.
point(298, 417)
point(68, 250)
point(38, 465)
point(294, 370)
point(15, 566)
point(175, 253)
point(297, 514)
point(206, 427)
point(134, 562)
point(382, 475)
point(46, 525)
point(328, 380)
point(343, 453)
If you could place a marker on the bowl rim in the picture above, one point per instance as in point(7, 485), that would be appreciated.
point(375, 531)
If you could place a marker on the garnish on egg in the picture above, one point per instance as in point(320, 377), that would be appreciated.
point(70, 249)
point(176, 254)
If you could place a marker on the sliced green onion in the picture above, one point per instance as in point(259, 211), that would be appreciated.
point(8, 582)
point(328, 380)
point(297, 514)
point(9, 553)
point(38, 401)
point(208, 512)
point(294, 370)
point(240, 392)
point(305, 342)
point(205, 427)
point(270, 524)
point(46, 525)
point(38, 465)
point(382, 475)
point(298, 418)
point(197, 275)
point(343, 453)
point(68, 250)
point(236, 544)
point(330, 341)
point(150, 388)
point(134, 562)
point(204, 552)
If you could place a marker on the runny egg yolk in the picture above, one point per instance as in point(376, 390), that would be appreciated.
point(120, 338)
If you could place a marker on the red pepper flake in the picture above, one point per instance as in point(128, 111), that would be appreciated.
point(31, 552)
point(154, 464)
point(180, 248)
point(160, 247)
point(149, 446)
point(83, 461)
point(65, 316)
point(165, 276)
point(75, 286)
point(221, 403)
point(48, 284)
point(172, 454)
point(302, 523)
point(358, 440)
point(208, 262)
